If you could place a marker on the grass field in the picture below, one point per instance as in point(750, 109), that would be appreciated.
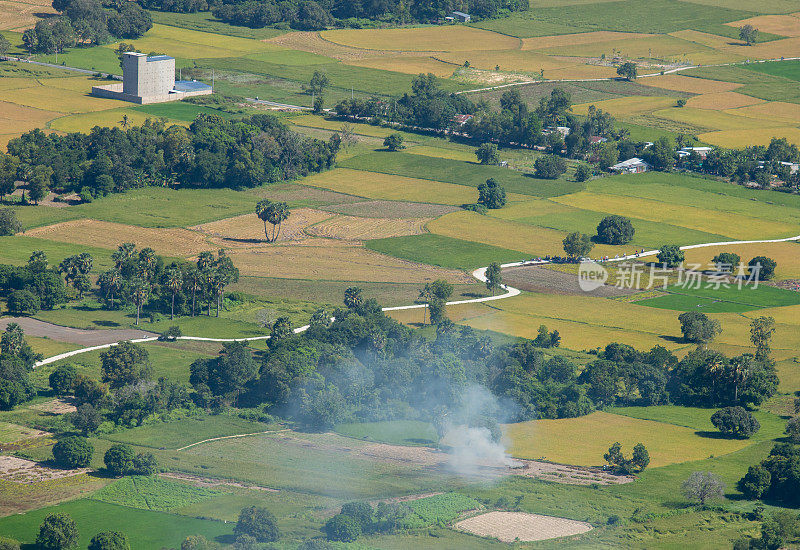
point(443, 251)
point(152, 493)
point(582, 441)
point(395, 432)
point(93, 517)
point(744, 299)
point(463, 173)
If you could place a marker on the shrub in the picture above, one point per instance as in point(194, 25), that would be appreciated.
point(615, 230)
point(550, 167)
point(735, 422)
point(583, 173)
point(145, 464)
point(491, 194)
point(793, 429)
point(342, 528)
point(257, 522)
point(670, 255)
point(360, 511)
point(62, 379)
point(394, 142)
point(681, 103)
point(171, 334)
point(57, 532)
point(8, 544)
point(698, 327)
point(73, 452)
point(726, 261)
point(119, 459)
point(487, 153)
point(755, 483)
point(9, 224)
point(23, 302)
point(109, 540)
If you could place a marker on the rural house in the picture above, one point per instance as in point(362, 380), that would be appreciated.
point(631, 166)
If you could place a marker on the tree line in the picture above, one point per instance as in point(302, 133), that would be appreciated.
point(86, 23)
point(317, 15)
point(212, 152)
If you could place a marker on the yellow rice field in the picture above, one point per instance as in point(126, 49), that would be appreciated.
point(717, 120)
point(353, 228)
point(581, 71)
point(711, 40)
point(773, 110)
point(409, 65)
point(786, 254)
point(16, 119)
point(510, 60)
point(450, 39)
point(731, 224)
point(688, 84)
point(735, 139)
point(374, 185)
point(43, 97)
point(583, 441)
point(722, 101)
point(649, 47)
point(83, 122)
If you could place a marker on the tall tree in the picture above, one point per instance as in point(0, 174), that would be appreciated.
point(494, 278)
point(274, 213)
point(761, 331)
point(173, 280)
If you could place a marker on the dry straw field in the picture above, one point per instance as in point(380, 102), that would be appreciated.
point(522, 527)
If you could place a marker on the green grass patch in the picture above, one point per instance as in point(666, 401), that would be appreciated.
point(722, 299)
point(784, 69)
point(204, 21)
point(180, 110)
point(458, 172)
point(144, 528)
point(395, 432)
point(772, 425)
point(442, 508)
point(443, 251)
point(17, 249)
point(97, 58)
point(174, 435)
point(152, 493)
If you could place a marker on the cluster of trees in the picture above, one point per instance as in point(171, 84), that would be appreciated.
point(17, 360)
point(622, 465)
point(776, 478)
point(59, 532)
point(86, 23)
point(703, 378)
point(125, 395)
point(212, 152)
point(36, 285)
point(317, 15)
point(359, 517)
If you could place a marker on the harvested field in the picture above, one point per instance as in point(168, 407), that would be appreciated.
point(409, 65)
point(773, 110)
point(375, 185)
point(247, 229)
point(328, 261)
point(521, 527)
point(66, 100)
point(357, 229)
point(662, 46)
point(788, 47)
point(20, 470)
point(391, 209)
point(170, 242)
point(542, 42)
point(441, 152)
point(706, 39)
point(18, 119)
point(336, 125)
point(624, 106)
point(782, 25)
point(64, 405)
point(453, 38)
point(717, 120)
point(291, 192)
point(19, 16)
point(722, 101)
point(736, 139)
point(539, 279)
point(689, 84)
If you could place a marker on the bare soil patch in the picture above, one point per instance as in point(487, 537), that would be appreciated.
point(168, 241)
point(20, 470)
point(519, 526)
point(34, 327)
point(392, 209)
point(541, 279)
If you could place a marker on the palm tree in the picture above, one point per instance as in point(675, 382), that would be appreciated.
point(192, 280)
point(110, 283)
point(173, 280)
point(147, 263)
point(124, 253)
point(205, 267)
point(425, 295)
point(352, 297)
point(275, 213)
point(139, 292)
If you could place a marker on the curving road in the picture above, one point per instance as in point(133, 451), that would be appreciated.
point(479, 274)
